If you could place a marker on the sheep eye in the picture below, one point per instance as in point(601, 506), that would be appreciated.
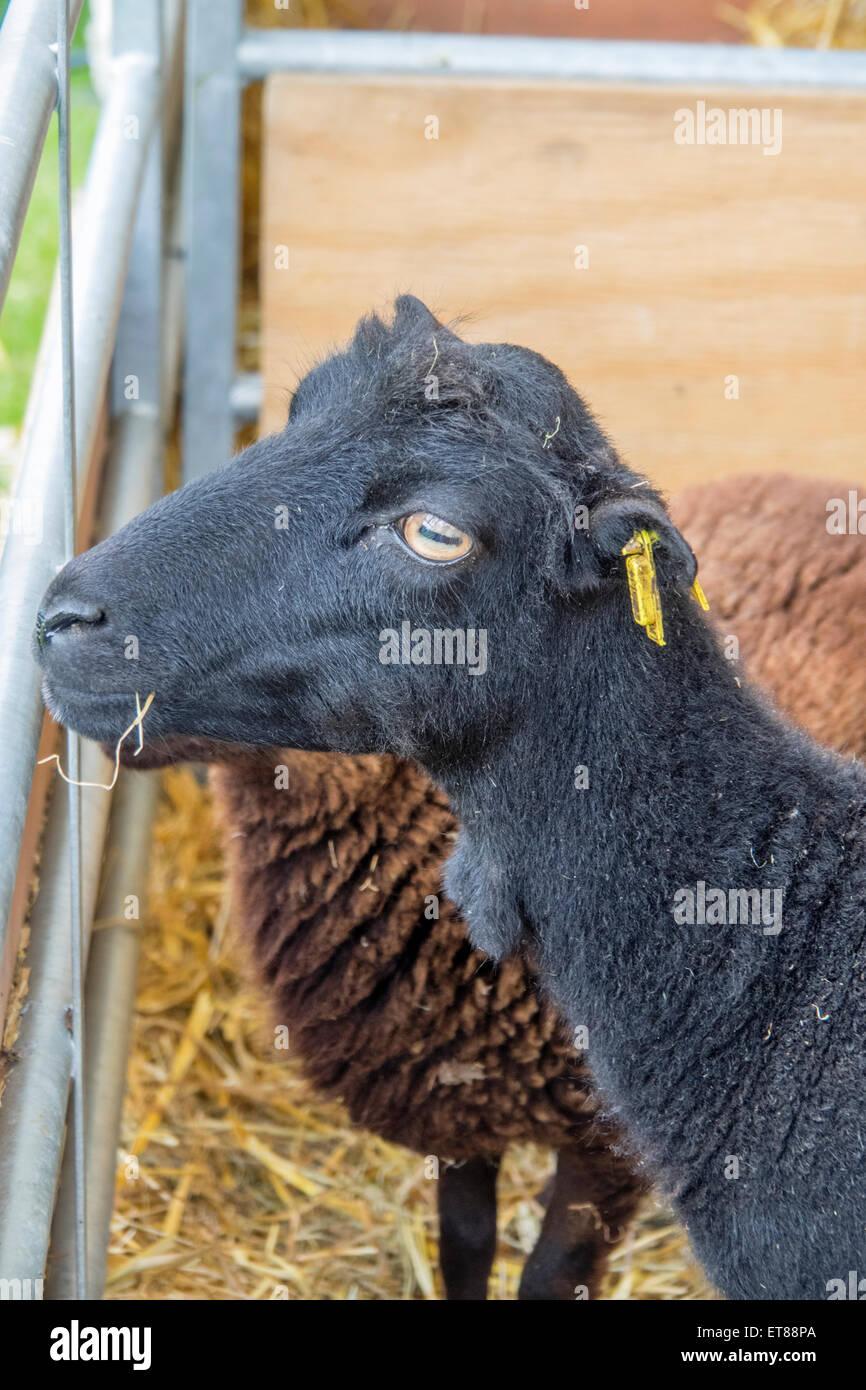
point(434, 539)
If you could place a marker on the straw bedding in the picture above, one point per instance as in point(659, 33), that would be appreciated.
point(235, 1181)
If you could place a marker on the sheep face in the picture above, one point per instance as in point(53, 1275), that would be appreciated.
point(389, 573)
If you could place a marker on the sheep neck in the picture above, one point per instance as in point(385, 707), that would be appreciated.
point(691, 779)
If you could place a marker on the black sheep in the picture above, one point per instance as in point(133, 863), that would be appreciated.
point(603, 781)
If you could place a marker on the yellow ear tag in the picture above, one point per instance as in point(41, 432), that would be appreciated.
point(699, 596)
point(643, 585)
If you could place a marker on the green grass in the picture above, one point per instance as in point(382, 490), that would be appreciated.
point(30, 286)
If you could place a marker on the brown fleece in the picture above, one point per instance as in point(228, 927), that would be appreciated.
point(793, 594)
point(426, 1042)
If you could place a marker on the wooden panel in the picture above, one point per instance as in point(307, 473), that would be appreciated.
point(705, 261)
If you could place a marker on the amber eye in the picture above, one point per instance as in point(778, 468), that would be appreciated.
point(434, 539)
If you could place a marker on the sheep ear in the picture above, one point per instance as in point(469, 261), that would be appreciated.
point(612, 524)
point(411, 314)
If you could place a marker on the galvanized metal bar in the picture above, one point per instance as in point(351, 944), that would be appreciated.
point(109, 1000)
point(146, 357)
point(32, 555)
point(33, 1113)
point(136, 369)
point(28, 93)
point(73, 746)
point(212, 147)
point(132, 483)
point(35, 1100)
point(266, 51)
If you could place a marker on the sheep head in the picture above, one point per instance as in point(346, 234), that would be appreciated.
point(422, 485)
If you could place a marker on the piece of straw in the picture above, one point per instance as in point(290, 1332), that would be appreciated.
point(197, 1025)
point(141, 711)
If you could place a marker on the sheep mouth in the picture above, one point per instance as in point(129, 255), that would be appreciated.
point(101, 716)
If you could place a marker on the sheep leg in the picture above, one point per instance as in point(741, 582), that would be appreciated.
point(467, 1226)
point(593, 1198)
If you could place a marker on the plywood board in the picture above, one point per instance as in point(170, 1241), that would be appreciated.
point(706, 262)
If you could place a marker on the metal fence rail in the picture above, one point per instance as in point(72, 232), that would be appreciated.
point(262, 52)
point(104, 225)
point(117, 301)
point(110, 997)
point(28, 93)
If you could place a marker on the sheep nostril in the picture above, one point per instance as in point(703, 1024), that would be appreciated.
point(66, 618)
